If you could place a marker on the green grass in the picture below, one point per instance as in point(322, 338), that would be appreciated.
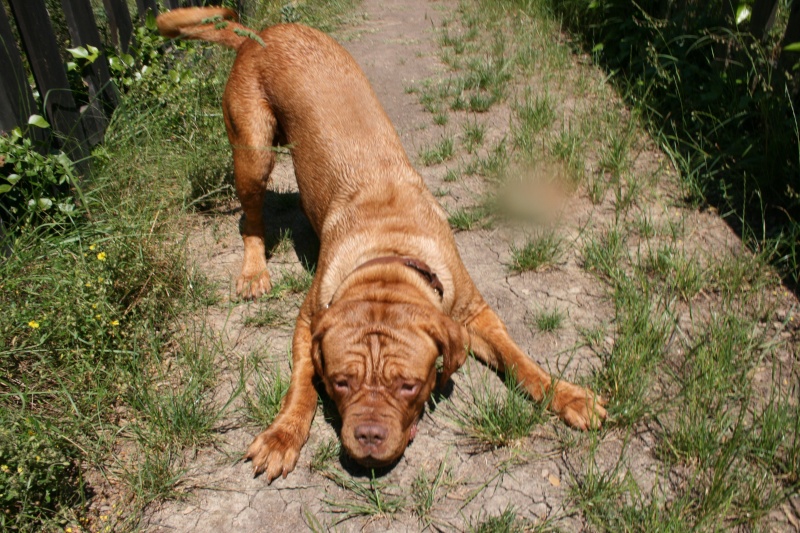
point(474, 135)
point(506, 522)
point(87, 308)
point(469, 218)
point(534, 113)
point(373, 498)
point(442, 151)
point(427, 490)
point(269, 385)
point(549, 320)
point(539, 252)
point(495, 420)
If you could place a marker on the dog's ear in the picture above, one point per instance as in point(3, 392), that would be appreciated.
point(320, 323)
point(452, 339)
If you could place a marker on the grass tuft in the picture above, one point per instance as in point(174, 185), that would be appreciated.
point(539, 252)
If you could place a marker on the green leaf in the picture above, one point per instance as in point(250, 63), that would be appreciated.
point(38, 121)
point(4, 188)
point(742, 13)
point(597, 48)
point(150, 21)
point(793, 47)
point(13, 178)
point(79, 52)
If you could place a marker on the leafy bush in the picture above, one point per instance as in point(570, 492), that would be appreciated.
point(31, 182)
point(35, 473)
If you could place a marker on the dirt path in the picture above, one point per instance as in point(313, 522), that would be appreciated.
point(396, 46)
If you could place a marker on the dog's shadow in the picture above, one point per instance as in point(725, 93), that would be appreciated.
point(284, 219)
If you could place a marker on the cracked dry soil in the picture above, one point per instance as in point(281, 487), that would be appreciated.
point(395, 44)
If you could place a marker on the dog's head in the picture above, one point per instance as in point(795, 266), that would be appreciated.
point(378, 363)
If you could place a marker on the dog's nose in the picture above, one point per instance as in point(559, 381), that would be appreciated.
point(370, 435)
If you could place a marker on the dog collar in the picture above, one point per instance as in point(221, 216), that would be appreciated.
point(419, 266)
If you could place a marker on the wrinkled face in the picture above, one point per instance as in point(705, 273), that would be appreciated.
point(378, 363)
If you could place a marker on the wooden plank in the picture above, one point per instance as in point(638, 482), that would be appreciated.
point(143, 6)
point(103, 95)
point(44, 57)
point(763, 17)
point(792, 35)
point(16, 99)
point(119, 23)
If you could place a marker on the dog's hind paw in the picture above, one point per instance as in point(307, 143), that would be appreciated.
point(251, 287)
point(274, 453)
point(578, 407)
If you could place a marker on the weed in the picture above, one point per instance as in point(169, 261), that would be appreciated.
point(539, 252)
point(425, 491)
point(568, 146)
point(549, 320)
point(533, 115)
point(493, 420)
point(269, 387)
point(505, 522)
point(604, 255)
point(373, 497)
point(291, 283)
point(452, 174)
point(470, 218)
point(266, 317)
point(474, 134)
point(440, 118)
point(441, 152)
point(324, 455)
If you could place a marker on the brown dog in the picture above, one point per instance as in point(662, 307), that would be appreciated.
point(390, 294)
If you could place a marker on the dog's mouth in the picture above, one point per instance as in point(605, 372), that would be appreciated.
point(373, 446)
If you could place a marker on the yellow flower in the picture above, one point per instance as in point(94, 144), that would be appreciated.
point(115, 323)
point(94, 306)
point(97, 317)
point(101, 256)
point(4, 468)
point(93, 246)
point(88, 283)
point(100, 280)
point(68, 530)
point(19, 469)
point(33, 324)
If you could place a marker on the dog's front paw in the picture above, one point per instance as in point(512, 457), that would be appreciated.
point(253, 286)
point(578, 407)
point(274, 452)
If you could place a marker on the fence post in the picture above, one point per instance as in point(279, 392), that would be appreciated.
point(763, 17)
point(119, 22)
point(44, 57)
point(16, 100)
point(792, 35)
point(103, 96)
point(143, 6)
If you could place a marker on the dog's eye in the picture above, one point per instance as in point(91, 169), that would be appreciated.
point(341, 385)
point(409, 388)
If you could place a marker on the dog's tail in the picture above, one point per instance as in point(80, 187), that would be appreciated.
point(215, 24)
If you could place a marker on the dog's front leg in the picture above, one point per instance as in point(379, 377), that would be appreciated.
point(276, 450)
point(490, 342)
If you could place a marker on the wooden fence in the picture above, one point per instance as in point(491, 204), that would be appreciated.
point(77, 128)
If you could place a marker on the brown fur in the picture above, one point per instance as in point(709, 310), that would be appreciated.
point(373, 334)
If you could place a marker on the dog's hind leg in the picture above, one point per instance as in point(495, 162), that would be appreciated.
point(251, 127)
